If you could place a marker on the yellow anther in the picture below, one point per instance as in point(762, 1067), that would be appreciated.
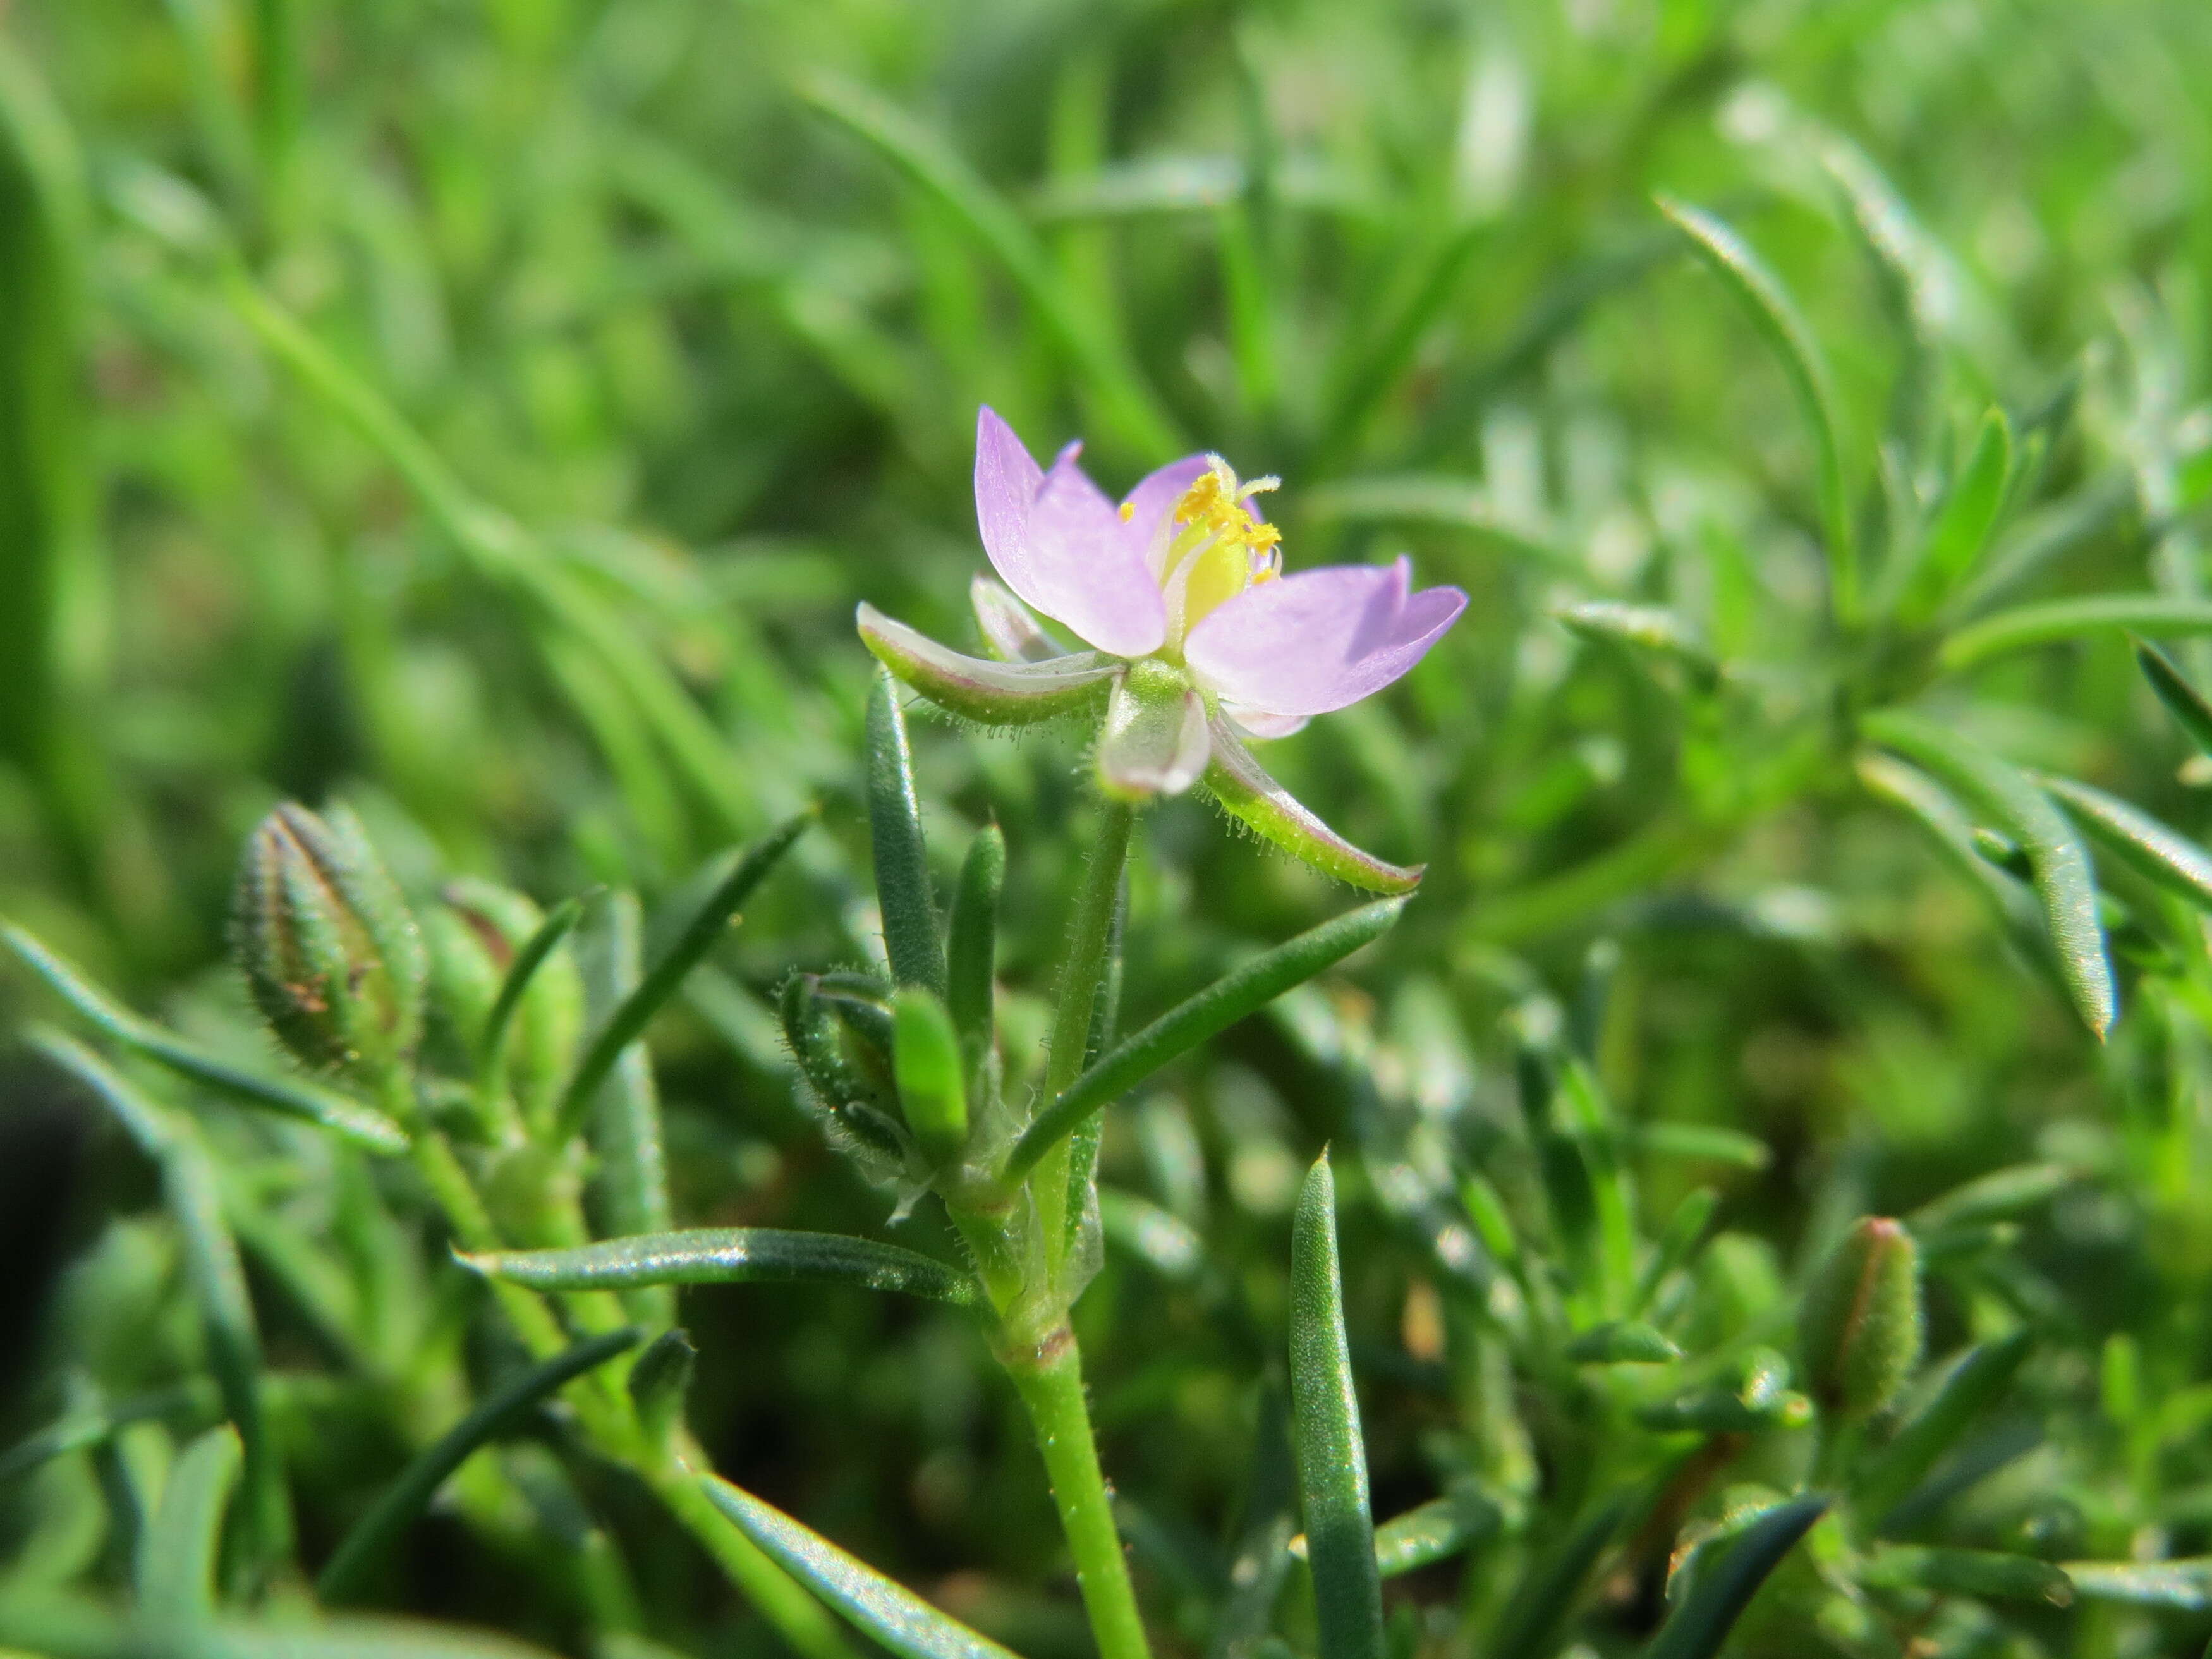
point(1128, 510)
point(1220, 547)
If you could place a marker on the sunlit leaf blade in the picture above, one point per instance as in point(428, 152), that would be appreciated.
point(701, 934)
point(1124, 400)
point(1553, 1582)
point(1622, 1342)
point(71, 1627)
point(1332, 1458)
point(1244, 791)
point(1697, 1629)
point(175, 1570)
point(733, 1255)
point(1436, 1531)
point(213, 1271)
point(2026, 626)
point(1163, 1241)
point(2184, 1584)
point(886, 1610)
point(293, 1097)
point(2181, 699)
point(345, 1575)
point(2061, 865)
point(1698, 1140)
point(1216, 1008)
point(1989, 1574)
point(1963, 528)
point(902, 859)
point(559, 923)
point(626, 1131)
point(1784, 327)
point(1883, 1480)
point(2155, 852)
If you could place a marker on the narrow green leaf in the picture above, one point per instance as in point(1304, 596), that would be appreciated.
point(1652, 629)
point(887, 1611)
point(2157, 853)
point(1783, 326)
point(632, 1186)
point(293, 1097)
point(1530, 1625)
point(733, 1255)
point(2181, 699)
point(1971, 1385)
point(175, 1569)
point(1163, 1241)
point(901, 858)
point(2184, 1584)
point(972, 952)
point(1220, 1005)
point(932, 1092)
point(701, 934)
point(1989, 1574)
point(1996, 1196)
point(343, 1577)
point(214, 1272)
point(1697, 1629)
point(1436, 1531)
point(1699, 1140)
point(1382, 365)
point(2063, 879)
point(2030, 625)
point(72, 1627)
point(1677, 1242)
point(82, 1427)
point(1622, 1342)
point(491, 1047)
point(1324, 1433)
point(1963, 527)
point(1128, 406)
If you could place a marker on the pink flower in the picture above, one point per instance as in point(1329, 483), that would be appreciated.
point(1197, 639)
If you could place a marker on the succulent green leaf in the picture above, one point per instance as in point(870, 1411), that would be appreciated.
point(71, 1627)
point(705, 929)
point(1163, 1241)
point(626, 1131)
point(1697, 1629)
point(1861, 1326)
point(2181, 697)
point(932, 1084)
point(292, 1097)
point(661, 1381)
point(902, 857)
point(1244, 791)
point(2061, 865)
point(1970, 1387)
point(1989, 1574)
point(176, 1565)
point(536, 951)
point(1967, 523)
point(1325, 1432)
point(2026, 626)
point(2155, 852)
point(1220, 1005)
point(1783, 326)
point(346, 1574)
point(886, 1609)
point(1622, 1342)
point(1554, 1582)
point(1677, 1242)
point(971, 950)
point(2184, 1584)
point(1649, 629)
point(733, 1255)
point(1996, 1196)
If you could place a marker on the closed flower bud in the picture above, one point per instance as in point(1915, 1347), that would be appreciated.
point(328, 946)
point(1860, 1326)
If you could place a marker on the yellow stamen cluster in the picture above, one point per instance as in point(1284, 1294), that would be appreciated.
point(1218, 547)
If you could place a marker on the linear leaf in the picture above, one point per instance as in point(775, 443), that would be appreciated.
point(410, 1494)
point(887, 1610)
point(902, 856)
point(73, 1628)
point(2185, 1583)
point(1183, 1028)
point(1622, 1342)
point(175, 1570)
point(971, 952)
point(626, 1126)
point(733, 1255)
point(1325, 1432)
point(2029, 625)
point(1382, 365)
point(2060, 863)
point(1783, 326)
point(293, 1097)
point(559, 923)
point(1963, 529)
point(1652, 630)
point(2155, 852)
point(1530, 1625)
point(1993, 1197)
point(1972, 1385)
point(1697, 1628)
point(2182, 698)
point(1990, 1574)
point(81, 1427)
point(1433, 1532)
point(701, 934)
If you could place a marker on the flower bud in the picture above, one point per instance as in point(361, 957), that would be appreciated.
point(329, 948)
point(1859, 1328)
point(932, 1092)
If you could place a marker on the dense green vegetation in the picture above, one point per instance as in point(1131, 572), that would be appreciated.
point(1750, 1195)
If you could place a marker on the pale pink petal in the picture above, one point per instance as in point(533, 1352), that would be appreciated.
point(1150, 503)
point(1253, 723)
point(1009, 630)
point(1058, 543)
point(1320, 639)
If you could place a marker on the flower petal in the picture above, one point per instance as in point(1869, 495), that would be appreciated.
point(975, 689)
point(1056, 540)
point(1246, 793)
point(1320, 639)
point(1009, 629)
point(1154, 741)
point(1252, 723)
point(1152, 500)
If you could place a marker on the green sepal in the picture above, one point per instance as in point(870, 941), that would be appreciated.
point(932, 1081)
point(986, 692)
point(1244, 791)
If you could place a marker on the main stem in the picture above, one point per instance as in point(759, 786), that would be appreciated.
point(1050, 1382)
point(1088, 937)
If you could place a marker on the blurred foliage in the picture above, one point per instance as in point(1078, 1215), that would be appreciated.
point(487, 417)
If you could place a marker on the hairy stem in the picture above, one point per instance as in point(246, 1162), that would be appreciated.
point(1050, 1381)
